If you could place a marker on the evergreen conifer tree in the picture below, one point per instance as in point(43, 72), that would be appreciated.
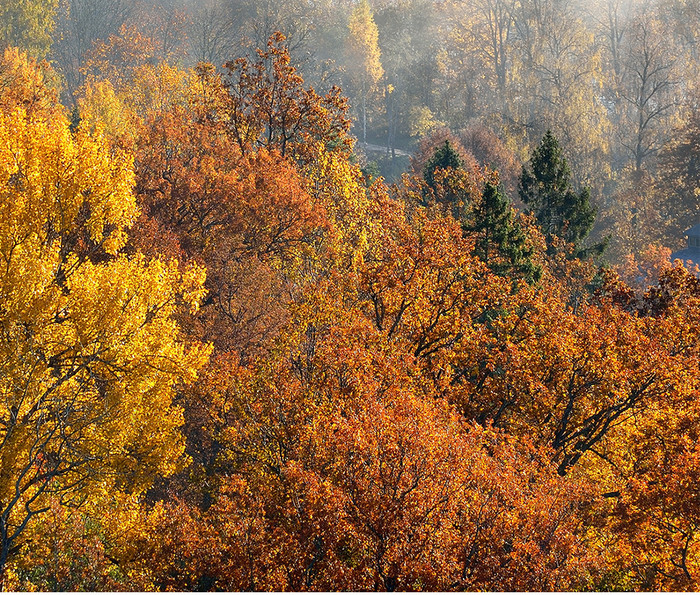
point(545, 187)
point(501, 242)
point(444, 157)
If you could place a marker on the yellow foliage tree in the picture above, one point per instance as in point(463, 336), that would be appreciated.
point(89, 348)
point(26, 83)
point(28, 24)
point(364, 55)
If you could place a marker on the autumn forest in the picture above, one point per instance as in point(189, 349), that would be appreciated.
point(349, 295)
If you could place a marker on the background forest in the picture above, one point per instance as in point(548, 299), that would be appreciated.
point(347, 295)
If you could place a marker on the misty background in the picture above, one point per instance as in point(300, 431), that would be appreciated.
point(616, 81)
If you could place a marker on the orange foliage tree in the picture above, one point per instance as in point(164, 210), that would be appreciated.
point(90, 349)
point(381, 410)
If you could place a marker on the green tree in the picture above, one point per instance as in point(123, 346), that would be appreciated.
point(476, 198)
point(501, 242)
point(545, 187)
point(444, 157)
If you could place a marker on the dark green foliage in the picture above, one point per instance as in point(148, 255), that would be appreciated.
point(501, 242)
point(545, 187)
point(445, 157)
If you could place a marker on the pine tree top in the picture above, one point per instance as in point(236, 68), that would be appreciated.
point(444, 157)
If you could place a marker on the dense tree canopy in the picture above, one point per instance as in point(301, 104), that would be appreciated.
point(28, 24)
point(545, 187)
point(90, 348)
point(231, 360)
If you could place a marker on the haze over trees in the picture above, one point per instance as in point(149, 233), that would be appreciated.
point(349, 295)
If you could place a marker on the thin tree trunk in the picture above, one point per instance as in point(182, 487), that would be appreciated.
point(364, 119)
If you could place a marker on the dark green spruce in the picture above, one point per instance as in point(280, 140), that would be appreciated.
point(444, 157)
point(501, 242)
point(545, 187)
